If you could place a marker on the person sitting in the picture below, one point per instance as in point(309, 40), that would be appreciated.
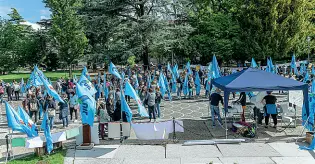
point(270, 108)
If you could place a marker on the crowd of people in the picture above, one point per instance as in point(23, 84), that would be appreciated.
point(146, 83)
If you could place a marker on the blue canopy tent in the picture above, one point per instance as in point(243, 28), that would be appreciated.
point(257, 80)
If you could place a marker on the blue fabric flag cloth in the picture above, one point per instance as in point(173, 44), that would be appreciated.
point(16, 122)
point(50, 89)
point(87, 85)
point(125, 108)
point(162, 85)
point(293, 65)
point(86, 73)
point(253, 63)
point(113, 70)
point(45, 126)
point(215, 69)
point(185, 85)
point(188, 68)
point(27, 121)
point(313, 70)
point(105, 87)
point(22, 86)
point(169, 68)
point(129, 90)
point(87, 105)
point(197, 83)
point(310, 123)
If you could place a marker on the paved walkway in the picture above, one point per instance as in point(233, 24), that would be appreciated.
point(245, 153)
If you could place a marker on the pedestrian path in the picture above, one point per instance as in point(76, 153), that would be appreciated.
point(245, 153)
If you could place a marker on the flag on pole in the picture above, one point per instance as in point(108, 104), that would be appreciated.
point(113, 70)
point(169, 68)
point(197, 83)
point(22, 86)
point(215, 69)
point(27, 121)
point(129, 90)
point(15, 121)
point(45, 126)
point(313, 70)
point(50, 89)
point(188, 68)
point(105, 87)
point(86, 73)
point(162, 85)
point(87, 85)
point(185, 85)
point(87, 105)
point(125, 108)
point(293, 65)
point(253, 63)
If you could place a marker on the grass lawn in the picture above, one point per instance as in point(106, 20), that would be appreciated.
point(53, 76)
point(55, 158)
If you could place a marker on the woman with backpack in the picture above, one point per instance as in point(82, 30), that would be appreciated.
point(33, 107)
point(50, 107)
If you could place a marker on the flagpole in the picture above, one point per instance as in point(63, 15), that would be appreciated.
point(121, 113)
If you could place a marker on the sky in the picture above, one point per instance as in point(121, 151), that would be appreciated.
point(31, 10)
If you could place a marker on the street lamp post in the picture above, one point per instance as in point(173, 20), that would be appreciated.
point(308, 54)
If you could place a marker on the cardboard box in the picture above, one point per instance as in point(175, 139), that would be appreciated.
point(309, 137)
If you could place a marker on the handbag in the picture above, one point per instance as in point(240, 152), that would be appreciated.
point(51, 112)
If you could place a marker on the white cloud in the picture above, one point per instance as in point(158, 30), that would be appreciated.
point(44, 17)
point(45, 12)
point(4, 11)
point(34, 25)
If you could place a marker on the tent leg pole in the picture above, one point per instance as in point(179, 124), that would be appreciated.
point(225, 126)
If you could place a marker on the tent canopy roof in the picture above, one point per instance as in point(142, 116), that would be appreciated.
point(256, 80)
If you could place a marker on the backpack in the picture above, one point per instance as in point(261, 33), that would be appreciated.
point(1, 90)
point(33, 106)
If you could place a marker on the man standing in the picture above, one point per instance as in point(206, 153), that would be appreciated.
point(151, 103)
point(215, 99)
point(270, 109)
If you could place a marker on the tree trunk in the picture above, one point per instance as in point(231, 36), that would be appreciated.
point(145, 57)
point(70, 71)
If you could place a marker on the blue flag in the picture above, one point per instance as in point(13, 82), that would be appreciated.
point(45, 126)
point(87, 105)
point(125, 108)
point(188, 68)
point(313, 87)
point(22, 86)
point(162, 85)
point(87, 85)
point(27, 121)
point(113, 70)
point(169, 68)
point(50, 89)
point(306, 77)
point(197, 83)
point(293, 65)
point(136, 81)
point(215, 69)
point(253, 63)
point(105, 87)
point(313, 70)
point(174, 81)
point(129, 90)
point(16, 122)
point(185, 85)
point(86, 73)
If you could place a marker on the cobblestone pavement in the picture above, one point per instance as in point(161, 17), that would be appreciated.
point(193, 112)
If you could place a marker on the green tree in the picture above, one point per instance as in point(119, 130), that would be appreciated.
point(67, 30)
point(275, 28)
